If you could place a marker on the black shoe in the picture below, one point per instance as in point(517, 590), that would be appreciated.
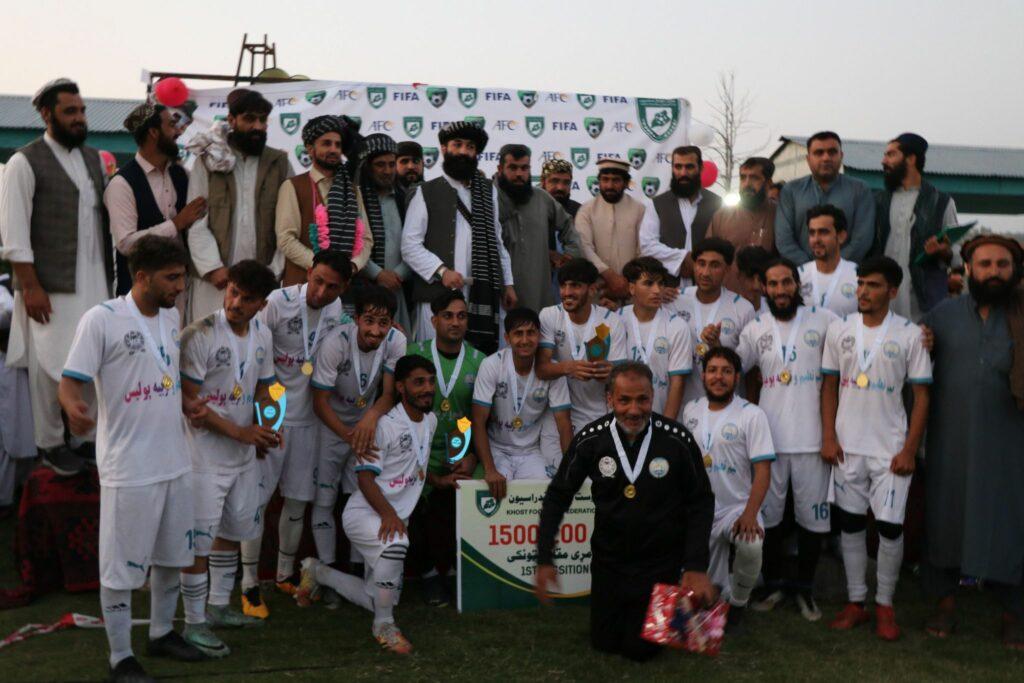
point(128, 670)
point(734, 620)
point(87, 452)
point(173, 646)
point(63, 461)
point(435, 593)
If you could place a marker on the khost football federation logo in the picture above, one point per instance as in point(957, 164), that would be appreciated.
point(637, 157)
point(290, 123)
point(650, 186)
point(303, 156)
point(430, 156)
point(580, 156)
point(593, 125)
point(658, 118)
point(535, 126)
point(586, 101)
point(528, 98)
point(413, 125)
point(315, 97)
point(467, 96)
point(376, 96)
point(487, 504)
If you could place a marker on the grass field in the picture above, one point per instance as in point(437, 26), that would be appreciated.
point(526, 645)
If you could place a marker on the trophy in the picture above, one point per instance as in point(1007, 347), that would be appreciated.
point(272, 414)
point(457, 441)
point(600, 345)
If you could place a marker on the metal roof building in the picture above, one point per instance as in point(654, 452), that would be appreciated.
point(982, 180)
point(20, 124)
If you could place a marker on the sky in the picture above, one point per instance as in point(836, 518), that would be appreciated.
point(951, 71)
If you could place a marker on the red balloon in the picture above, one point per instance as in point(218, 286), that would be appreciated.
point(708, 174)
point(171, 92)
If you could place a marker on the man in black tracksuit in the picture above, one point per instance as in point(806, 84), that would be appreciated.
point(654, 510)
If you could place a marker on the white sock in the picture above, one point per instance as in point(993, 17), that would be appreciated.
point(289, 532)
point(890, 558)
point(387, 583)
point(349, 587)
point(324, 534)
point(746, 567)
point(193, 597)
point(164, 585)
point(855, 562)
point(251, 561)
point(223, 570)
point(117, 620)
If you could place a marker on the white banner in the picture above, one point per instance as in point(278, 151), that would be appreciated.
point(579, 127)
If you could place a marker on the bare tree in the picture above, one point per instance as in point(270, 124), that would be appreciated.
point(731, 121)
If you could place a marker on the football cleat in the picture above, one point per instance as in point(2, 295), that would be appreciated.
point(391, 638)
point(851, 615)
point(885, 623)
point(253, 605)
point(308, 590)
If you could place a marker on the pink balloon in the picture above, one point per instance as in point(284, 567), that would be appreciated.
point(708, 174)
point(171, 92)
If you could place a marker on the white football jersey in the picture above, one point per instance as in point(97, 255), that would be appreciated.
point(211, 355)
point(670, 352)
point(335, 369)
point(588, 398)
point(793, 409)
point(731, 310)
point(402, 466)
point(872, 421)
point(836, 291)
point(493, 389)
point(283, 315)
point(731, 440)
point(140, 434)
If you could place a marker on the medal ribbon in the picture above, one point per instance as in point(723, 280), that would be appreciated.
point(831, 287)
point(708, 429)
point(378, 356)
point(578, 351)
point(163, 359)
point(308, 344)
point(699, 318)
point(236, 357)
point(419, 440)
point(791, 341)
point(645, 349)
point(446, 387)
point(864, 360)
point(631, 472)
point(513, 382)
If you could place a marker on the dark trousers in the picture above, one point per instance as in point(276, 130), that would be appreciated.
point(942, 582)
point(618, 605)
point(432, 533)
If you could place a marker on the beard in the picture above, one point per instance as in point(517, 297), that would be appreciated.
point(894, 176)
point(718, 397)
point(69, 137)
point(251, 143)
point(992, 291)
point(753, 200)
point(520, 193)
point(613, 196)
point(685, 187)
point(168, 147)
point(786, 312)
point(462, 167)
point(332, 165)
point(412, 177)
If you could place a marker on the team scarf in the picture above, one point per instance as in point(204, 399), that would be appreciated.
point(485, 288)
point(371, 200)
point(343, 221)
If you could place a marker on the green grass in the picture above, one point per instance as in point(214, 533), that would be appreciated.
point(524, 645)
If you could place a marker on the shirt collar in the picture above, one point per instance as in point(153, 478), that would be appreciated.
point(56, 146)
point(147, 167)
point(694, 202)
point(316, 174)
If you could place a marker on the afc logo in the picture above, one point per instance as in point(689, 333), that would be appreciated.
point(505, 124)
point(346, 94)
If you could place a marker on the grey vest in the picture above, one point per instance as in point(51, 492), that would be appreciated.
point(440, 199)
point(673, 230)
point(53, 229)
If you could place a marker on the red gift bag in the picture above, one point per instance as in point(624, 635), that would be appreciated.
point(675, 620)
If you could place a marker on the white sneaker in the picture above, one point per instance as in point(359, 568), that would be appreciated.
point(769, 602)
point(808, 608)
point(308, 590)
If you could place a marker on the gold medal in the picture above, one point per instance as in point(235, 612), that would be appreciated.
point(236, 393)
point(361, 402)
point(629, 492)
point(862, 380)
point(517, 422)
point(707, 460)
point(785, 377)
point(167, 382)
point(446, 405)
point(307, 368)
point(702, 349)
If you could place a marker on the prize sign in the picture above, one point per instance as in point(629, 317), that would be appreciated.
point(578, 127)
point(497, 558)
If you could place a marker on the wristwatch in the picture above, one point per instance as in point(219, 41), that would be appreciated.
point(439, 273)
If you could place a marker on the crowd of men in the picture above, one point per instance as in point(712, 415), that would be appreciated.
point(699, 363)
